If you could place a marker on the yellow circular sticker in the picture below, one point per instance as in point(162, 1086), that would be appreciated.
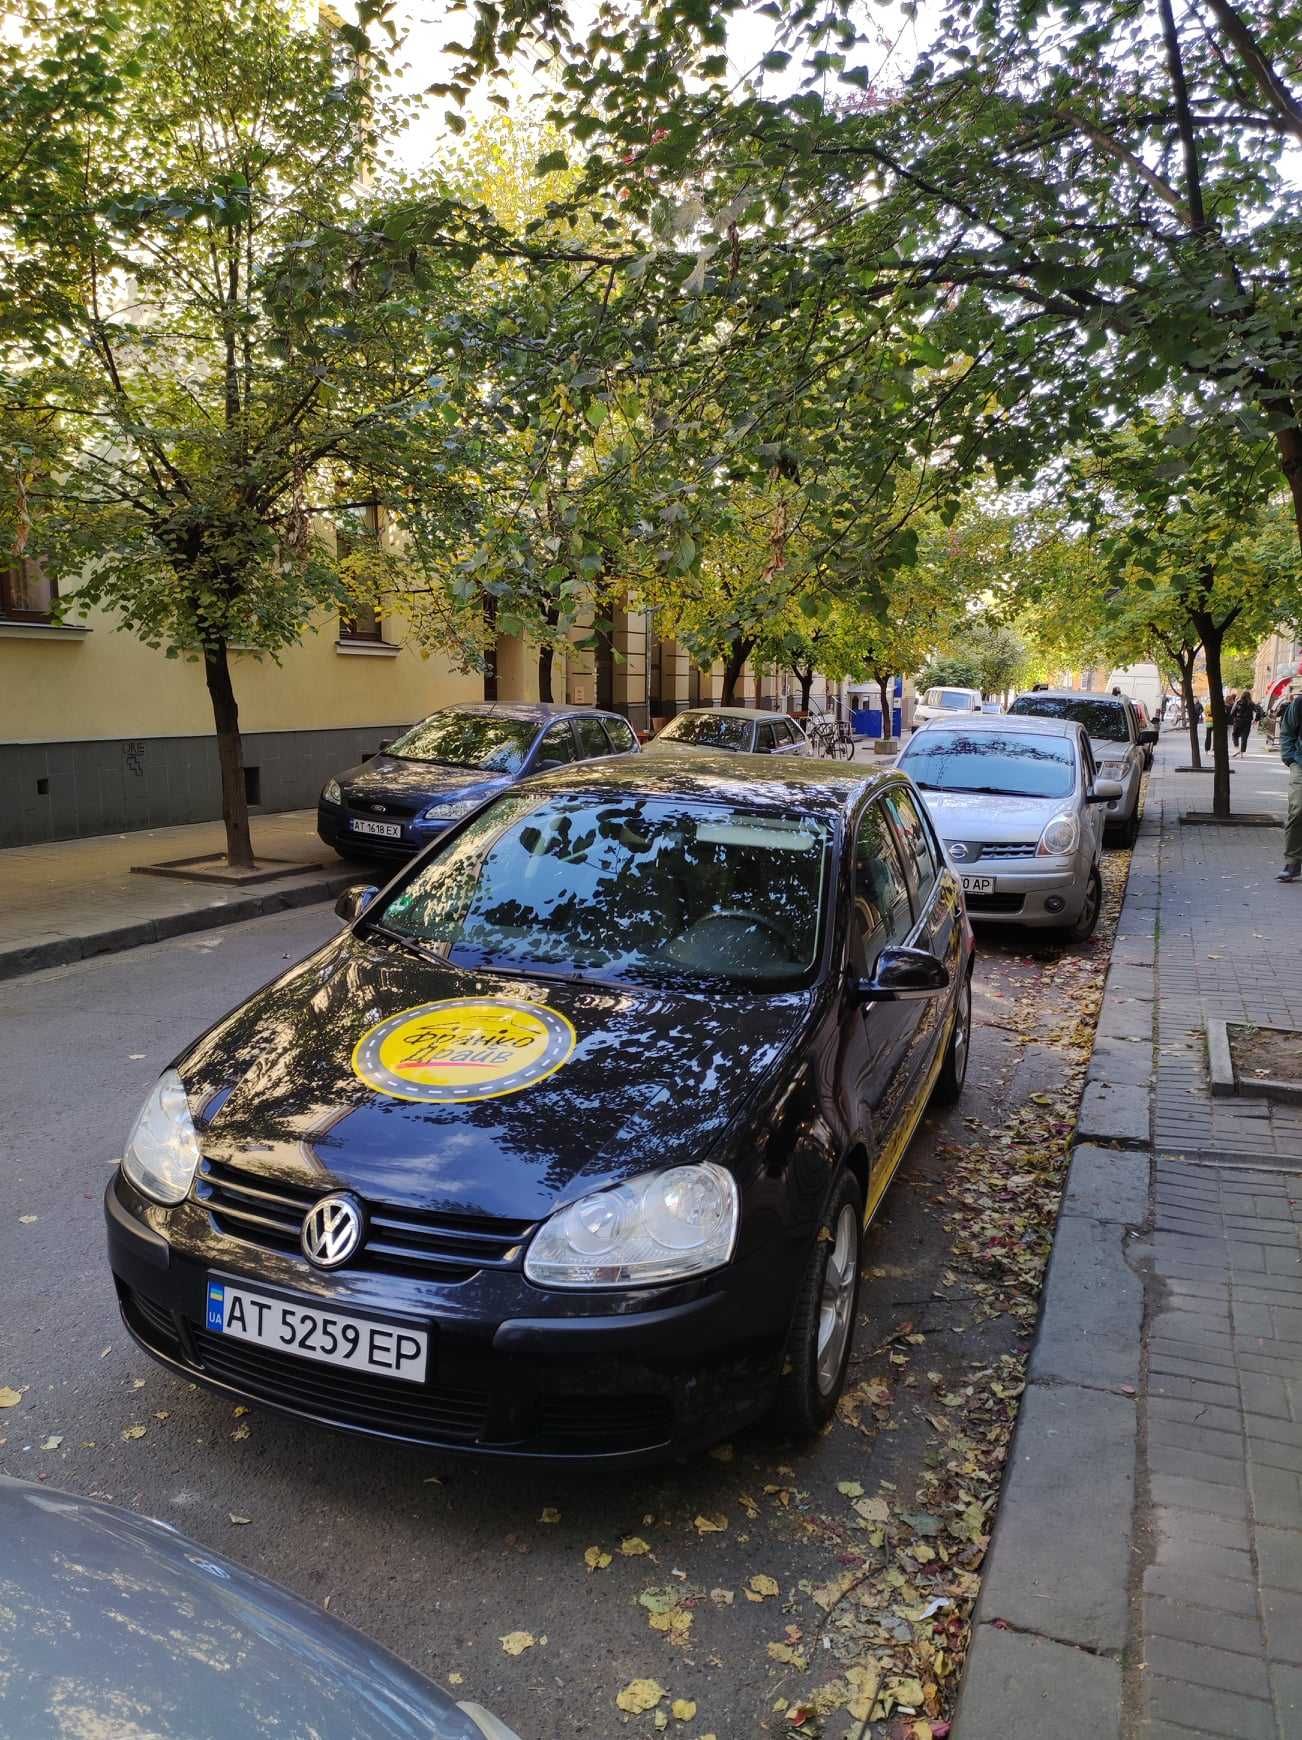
point(463, 1049)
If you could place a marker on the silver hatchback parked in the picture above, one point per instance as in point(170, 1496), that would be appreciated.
point(1020, 808)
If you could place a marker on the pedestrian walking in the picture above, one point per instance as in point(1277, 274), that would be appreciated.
point(1290, 753)
point(1242, 718)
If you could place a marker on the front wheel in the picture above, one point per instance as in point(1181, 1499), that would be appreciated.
point(953, 1072)
point(822, 1327)
point(1083, 929)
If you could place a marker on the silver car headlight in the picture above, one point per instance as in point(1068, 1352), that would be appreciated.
point(665, 1226)
point(1112, 769)
point(1062, 834)
point(451, 811)
point(330, 792)
point(162, 1152)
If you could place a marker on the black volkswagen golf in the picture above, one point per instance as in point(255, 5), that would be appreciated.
point(565, 1147)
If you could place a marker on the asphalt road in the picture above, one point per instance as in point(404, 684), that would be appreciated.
point(440, 1558)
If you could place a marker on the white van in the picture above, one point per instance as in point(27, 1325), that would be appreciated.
point(944, 703)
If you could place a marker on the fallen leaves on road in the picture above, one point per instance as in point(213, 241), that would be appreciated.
point(132, 1432)
point(763, 1585)
point(638, 1696)
point(516, 1642)
point(550, 1514)
point(682, 1709)
point(710, 1525)
point(633, 1547)
point(9, 1398)
point(239, 1521)
point(28, 1219)
point(596, 1560)
point(53, 1441)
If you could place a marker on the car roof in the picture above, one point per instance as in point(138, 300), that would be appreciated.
point(732, 712)
point(527, 710)
point(779, 781)
point(1071, 695)
point(1004, 722)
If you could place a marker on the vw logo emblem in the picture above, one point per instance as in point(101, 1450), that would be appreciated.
point(332, 1231)
point(958, 850)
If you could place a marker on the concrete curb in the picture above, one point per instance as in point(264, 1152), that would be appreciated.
point(60, 951)
point(1050, 1625)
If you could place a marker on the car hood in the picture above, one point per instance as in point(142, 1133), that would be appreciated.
point(392, 778)
point(654, 1078)
point(1107, 749)
point(962, 815)
point(115, 1624)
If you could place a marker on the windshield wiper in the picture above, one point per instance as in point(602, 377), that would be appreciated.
point(993, 791)
point(408, 944)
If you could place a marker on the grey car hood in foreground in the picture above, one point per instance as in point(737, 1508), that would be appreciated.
point(112, 1625)
point(965, 815)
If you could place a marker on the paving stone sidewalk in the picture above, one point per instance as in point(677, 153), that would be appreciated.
point(1145, 1574)
point(72, 898)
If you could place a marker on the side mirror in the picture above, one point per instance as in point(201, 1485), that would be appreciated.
point(353, 902)
point(903, 975)
point(1148, 735)
point(1104, 791)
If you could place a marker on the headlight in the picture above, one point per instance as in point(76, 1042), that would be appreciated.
point(330, 792)
point(1112, 769)
point(663, 1227)
point(1062, 834)
point(162, 1152)
point(450, 812)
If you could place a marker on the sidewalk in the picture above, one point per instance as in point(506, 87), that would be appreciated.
point(72, 898)
point(1145, 1576)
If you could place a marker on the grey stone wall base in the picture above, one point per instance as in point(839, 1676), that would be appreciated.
point(1029, 1688)
point(61, 951)
point(1093, 1309)
point(1114, 1112)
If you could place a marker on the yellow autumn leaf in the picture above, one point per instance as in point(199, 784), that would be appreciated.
point(456, 1679)
point(874, 1510)
point(550, 1514)
point(711, 1525)
point(9, 1398)
point(849, 1488)
point(676, 1624)
point(682, 1709)
point(907, 1692)
point(53, 1441)
point(133, 1432)
point(595, 1559)
point(640, 1695)
point(764, 1585)
point(239, 1519)
point(783, 1652)
point(516, 1642)
point(863, 1680)
point(633, 1547)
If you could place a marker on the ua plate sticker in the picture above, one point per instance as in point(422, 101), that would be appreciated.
point(463, 1049)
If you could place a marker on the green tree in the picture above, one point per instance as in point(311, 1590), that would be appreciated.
point(206, 407)
point(950, 670)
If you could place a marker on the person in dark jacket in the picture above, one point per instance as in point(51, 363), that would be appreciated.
point(1290, 753)
point(1242, 718)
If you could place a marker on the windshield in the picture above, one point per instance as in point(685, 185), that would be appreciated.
point(1106, 719)
point(632, 887)
point(708, 731)
point(954, 700)
point(1020, 765)
point(498, 745)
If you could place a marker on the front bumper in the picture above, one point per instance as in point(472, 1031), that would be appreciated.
point(334, 828)
point(515, 1371)
point(1039, 899)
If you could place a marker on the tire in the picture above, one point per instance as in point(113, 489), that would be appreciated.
point(810, 1387)
point(1085, 925)
point(1124, 834)
point(953, 1071)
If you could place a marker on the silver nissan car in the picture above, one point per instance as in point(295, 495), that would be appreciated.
point(1020, 807)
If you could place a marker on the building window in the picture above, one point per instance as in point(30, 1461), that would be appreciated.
point(27, 593)
point(362, 530)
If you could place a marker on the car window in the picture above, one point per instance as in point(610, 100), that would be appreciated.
point(708, 730)
point(919, 859)
point(1015, 764)
point(766, 738)
point(932, 698)
point(453, 738)
point(960, 699)
point(622, 886)
point(620, 733)
point(794, 732)
point(882, 915)
point(1104, 719)
point(557, 744)
point(592, 736)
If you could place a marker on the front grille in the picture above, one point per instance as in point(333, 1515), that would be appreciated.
point(344, 1398)
point(393, 808)
point(406, 1241)
point(605, 1422)
point(1008, 849)
point(994, 902)
point(151, 1322)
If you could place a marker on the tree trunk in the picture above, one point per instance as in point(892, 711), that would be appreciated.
point(806, 680)
point(546, 659)
point(1187, 692)
point(1289, 444)
point(230, 755)
point(884, 688)
point(733, 666)
point(1213, 635)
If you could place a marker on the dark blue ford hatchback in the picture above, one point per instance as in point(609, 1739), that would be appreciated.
point(440, 770)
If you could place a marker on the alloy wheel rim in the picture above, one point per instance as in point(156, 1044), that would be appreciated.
point(836, 1305)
